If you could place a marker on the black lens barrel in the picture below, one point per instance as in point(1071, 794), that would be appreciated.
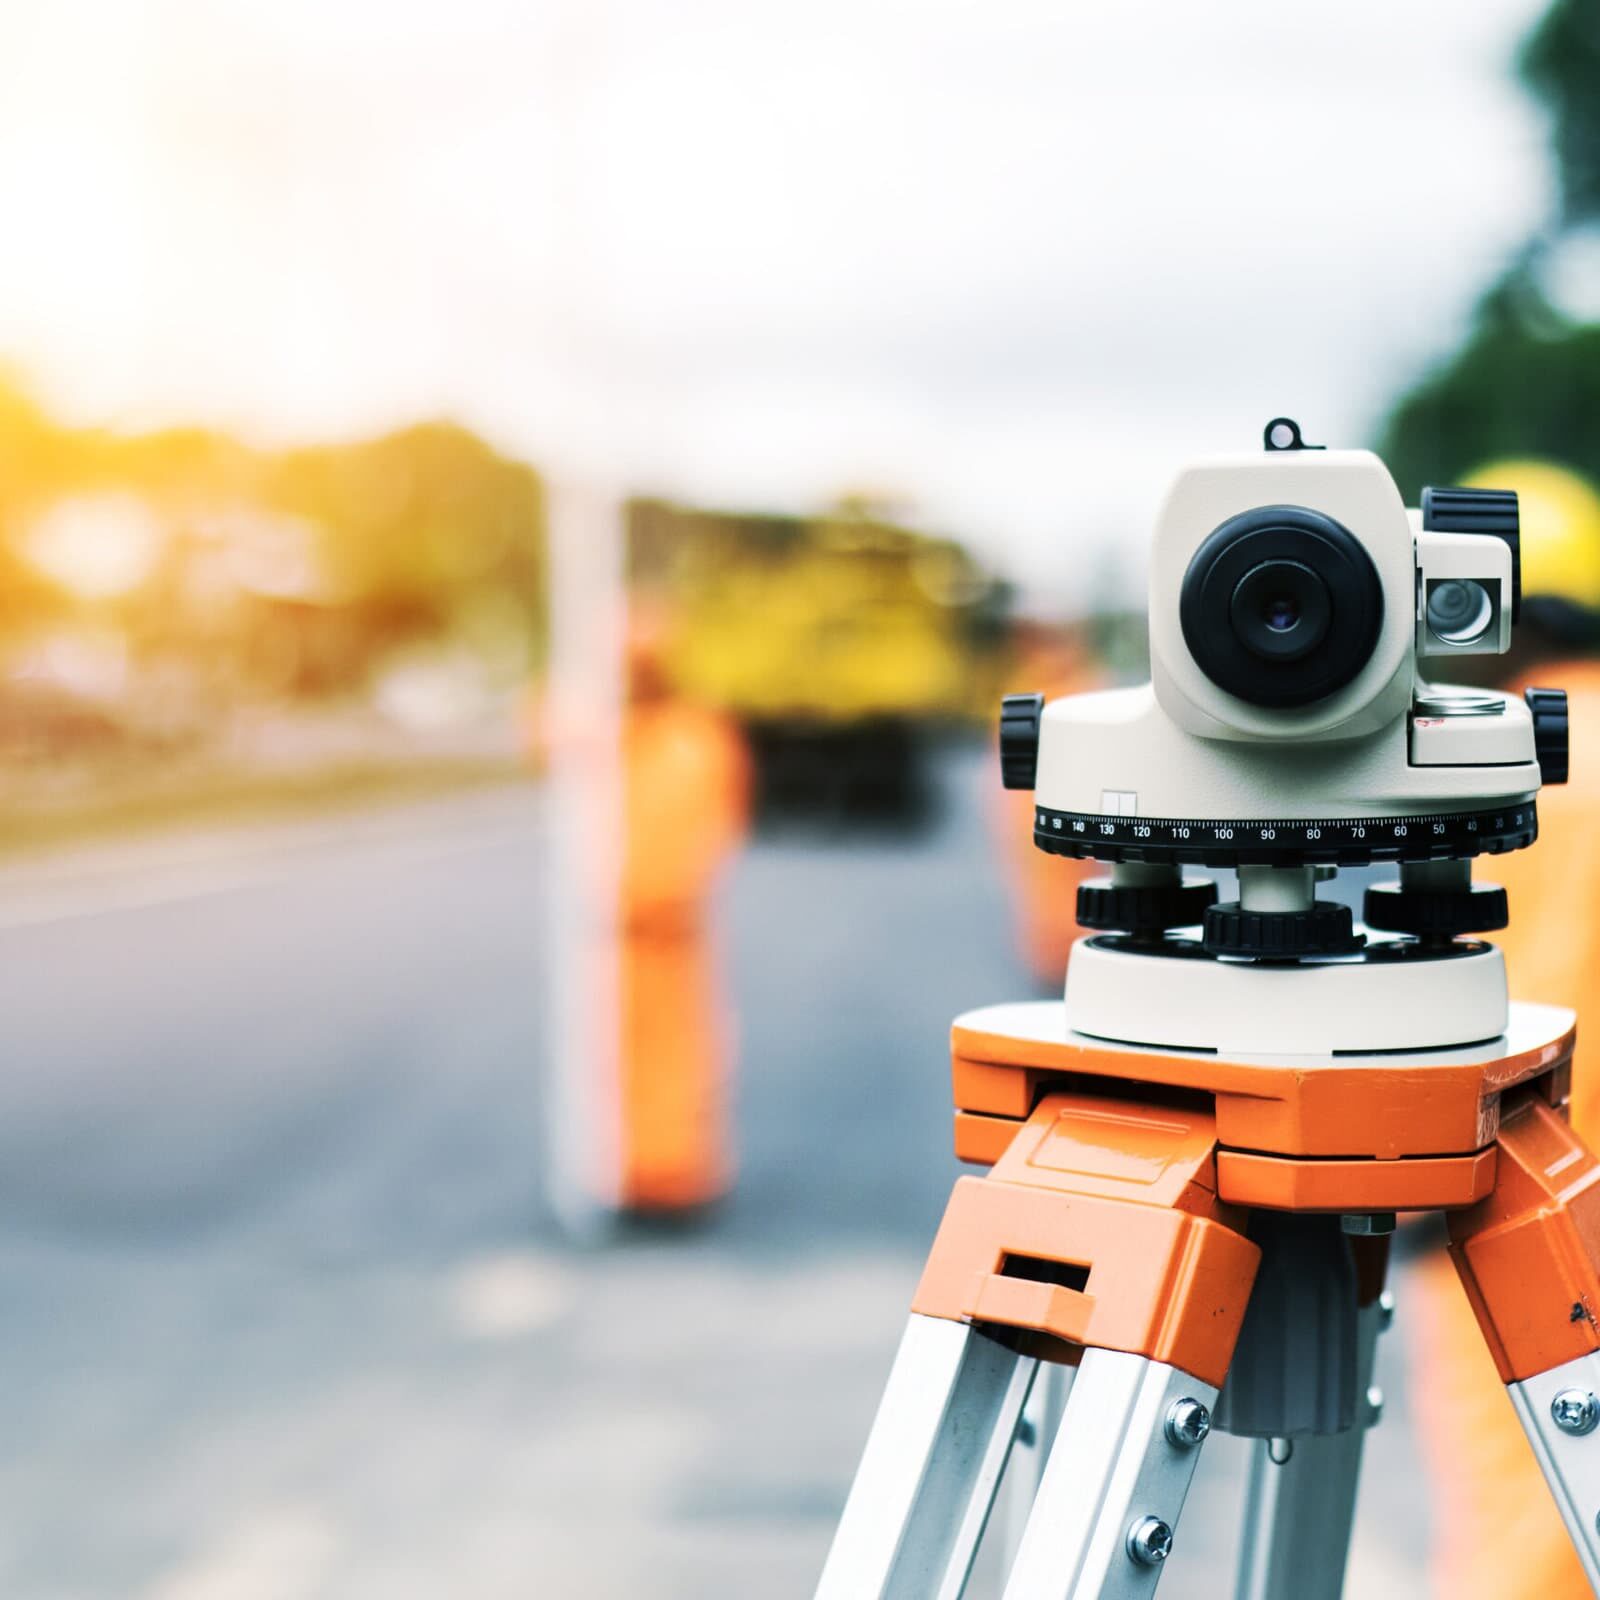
point(1281, 606)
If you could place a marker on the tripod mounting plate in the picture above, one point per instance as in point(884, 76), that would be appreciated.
point(1385, 1105)
point(1339, 1006)
point(1286, 841)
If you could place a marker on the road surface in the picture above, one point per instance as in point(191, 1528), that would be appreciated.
point(285, 1314)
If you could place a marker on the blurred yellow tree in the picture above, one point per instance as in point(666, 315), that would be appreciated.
point(422, 535)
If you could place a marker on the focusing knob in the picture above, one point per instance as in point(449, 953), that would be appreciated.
point(1144, 908)
point(1326, 929)
point(1487, 511)
point(1549, 708)
point(1435, 913)
point(1019, 739)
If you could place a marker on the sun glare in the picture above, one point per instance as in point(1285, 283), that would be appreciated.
point(99, 546)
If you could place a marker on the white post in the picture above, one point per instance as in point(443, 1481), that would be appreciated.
point(584, 844)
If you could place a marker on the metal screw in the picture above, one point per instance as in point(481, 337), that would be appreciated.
point(1367, 1224)
point(1576, 1411)
point(1149, 1541)
point(1188, 1422)
point(1385, 1311)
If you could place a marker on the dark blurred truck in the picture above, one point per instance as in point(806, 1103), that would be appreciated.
point(847, 646)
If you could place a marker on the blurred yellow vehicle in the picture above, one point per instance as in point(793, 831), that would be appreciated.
point(843, 644)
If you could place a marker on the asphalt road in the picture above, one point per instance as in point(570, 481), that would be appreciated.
point(285, 1316)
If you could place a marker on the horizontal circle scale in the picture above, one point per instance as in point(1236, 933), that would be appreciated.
point(1342, 841)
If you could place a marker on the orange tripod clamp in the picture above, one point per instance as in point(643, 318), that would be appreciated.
point(1115, 1214)
point(1100, 1225)
point(1527, 1253)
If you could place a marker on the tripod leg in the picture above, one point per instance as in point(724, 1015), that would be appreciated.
point(933, 1461)
point(1301, 1500)
point(1072, 1246)
point(1040, 1420)
point(1529, 1258)
point(1569, 1459)
point(1108, 1503)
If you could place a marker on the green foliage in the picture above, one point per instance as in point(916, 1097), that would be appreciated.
point(1560, 62)
point(1527, 380)
point(1524, 384)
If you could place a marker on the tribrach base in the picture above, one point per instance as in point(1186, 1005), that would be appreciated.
point(1113, 1234)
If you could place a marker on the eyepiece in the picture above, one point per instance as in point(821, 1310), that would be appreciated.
point(1281, 606)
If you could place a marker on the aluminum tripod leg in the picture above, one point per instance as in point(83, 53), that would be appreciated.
point(1041, 1418)
point(1299, 1510)
point(927, 1479)
point(1560, 1412)
point(1114, 1484)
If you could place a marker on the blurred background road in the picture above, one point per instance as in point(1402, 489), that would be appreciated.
point(284, 1316)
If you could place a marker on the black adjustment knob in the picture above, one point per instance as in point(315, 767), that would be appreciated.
point(1487, 511)
point(1019, 739)
point(1435, 913)
point(1325, 929)
point(1144, 908)
point(1549, 708)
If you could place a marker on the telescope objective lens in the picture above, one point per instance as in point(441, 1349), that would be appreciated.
point(1281, 606)
point(1280, 613)
point(1280, 610)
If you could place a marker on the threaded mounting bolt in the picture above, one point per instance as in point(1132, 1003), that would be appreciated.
point(1576, 1411)
point(1187, 1424)
point(1149, 1541)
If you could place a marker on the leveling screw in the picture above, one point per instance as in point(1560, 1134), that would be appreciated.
point(1149, 1541)
point(1576, 1411)
point(1188, 1422)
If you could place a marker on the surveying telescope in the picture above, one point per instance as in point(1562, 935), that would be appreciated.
point(1196, 1159)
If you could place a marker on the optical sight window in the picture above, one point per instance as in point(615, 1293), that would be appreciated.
point(1281, 606)
point(1459, 611)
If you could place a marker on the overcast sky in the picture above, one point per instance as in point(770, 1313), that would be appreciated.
point(1007, 261)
